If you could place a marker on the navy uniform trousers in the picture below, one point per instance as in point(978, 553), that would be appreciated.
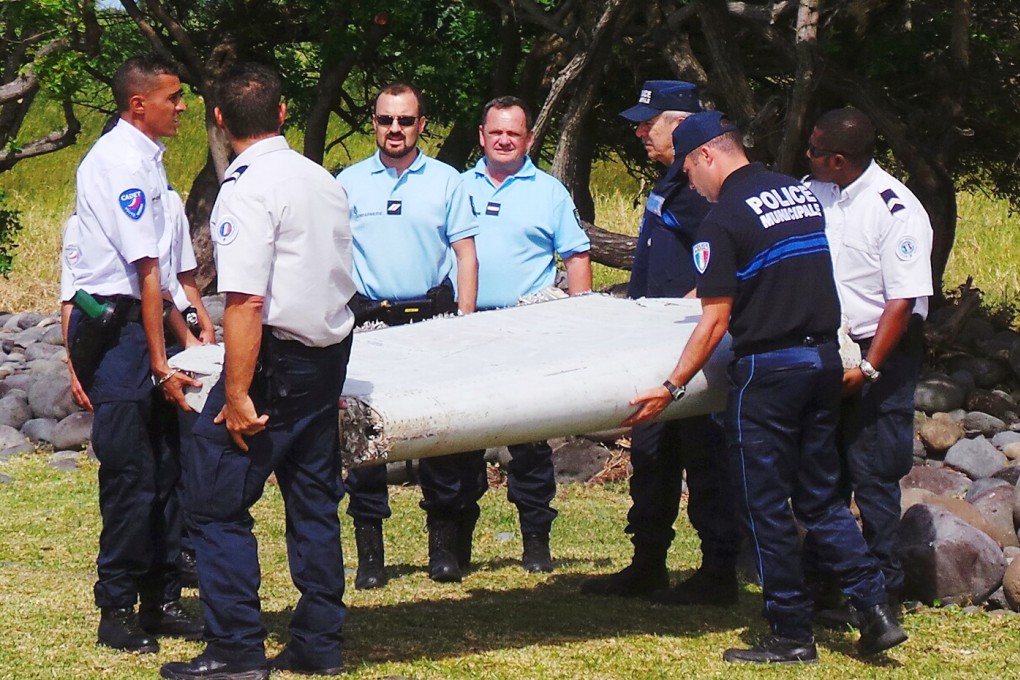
point(658, 455)
point(877, 448)
point(301, 445)
point(140, 540)
point(781, 421)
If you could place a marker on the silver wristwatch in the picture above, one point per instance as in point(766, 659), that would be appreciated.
point(871, 374)
point(675, 391)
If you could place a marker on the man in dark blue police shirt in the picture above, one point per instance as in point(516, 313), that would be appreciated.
point(660, 452)
point(755, 249)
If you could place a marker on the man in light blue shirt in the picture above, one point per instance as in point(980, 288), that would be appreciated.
point(525, 217)
point(410, 218)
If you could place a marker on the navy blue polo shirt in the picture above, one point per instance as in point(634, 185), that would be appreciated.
point(764, 245)
point(662, 262)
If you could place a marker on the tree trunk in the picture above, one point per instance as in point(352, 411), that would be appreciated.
point(791, 145)
point(727, 63)
point(610, 248)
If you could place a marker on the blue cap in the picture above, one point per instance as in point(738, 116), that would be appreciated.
point(663, 95)
point(698, 129)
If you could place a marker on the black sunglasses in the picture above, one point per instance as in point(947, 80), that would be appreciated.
point(815, 152)
point(403, 121)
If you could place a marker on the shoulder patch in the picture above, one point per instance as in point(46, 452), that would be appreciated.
point(72, 254)
point(892, 201)
point(235, 175)
point(702, 253)
point(577, 216)
point(132, 202)
point(907, 248)
point(225, 231)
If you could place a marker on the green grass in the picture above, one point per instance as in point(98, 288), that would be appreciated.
point(499, 623)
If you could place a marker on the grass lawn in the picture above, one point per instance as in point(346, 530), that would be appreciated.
point(499, 623)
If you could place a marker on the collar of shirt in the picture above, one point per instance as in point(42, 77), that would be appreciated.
point(859, 185)
point(417, 165)
point(259, 148)
point(526, 171)
point(138, 139)
point(735, 177)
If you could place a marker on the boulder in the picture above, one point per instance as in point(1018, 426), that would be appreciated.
point(73, 431)
point(976, 458)
point(20, 381)
point(29, 337)
point(54, 335)
point(966, 512)
point(984, 424)
point(28, 319)
point(1011, 450)
point(976, 330)
point(578, 460)
point(940, 432)
point(987, 372)
point(1009, 474)
point(64, 460)
point(946, 560)
point(14, 411)
point(1011, 585)
point(50, 397)
point(39, 429)
point(979, 486)
point(1003, 439)
point(996, 505)
point(938, 481)
point(9, 436)
point(911, 497)
point(1016, 505)
point(499, 456)
point(994, 403)
point(40, 350)
point(997, 600)
point(52, 366)
point(17, 450)
point(963, 380)
point(938, 394)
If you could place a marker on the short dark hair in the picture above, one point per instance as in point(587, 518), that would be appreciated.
point(848, 131)
point(508, 102)
point(401, 87)
point(134, 76)
point(248, 96)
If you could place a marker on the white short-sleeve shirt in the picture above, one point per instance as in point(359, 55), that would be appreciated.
point(179, 255)
point(880, 239)
point(281, 231)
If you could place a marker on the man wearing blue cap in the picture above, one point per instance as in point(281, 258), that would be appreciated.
point(660, 452)
point(762, 239)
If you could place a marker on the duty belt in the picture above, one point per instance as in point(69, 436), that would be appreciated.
point(811, 340)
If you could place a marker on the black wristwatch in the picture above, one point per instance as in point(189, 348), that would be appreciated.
point(675, 391)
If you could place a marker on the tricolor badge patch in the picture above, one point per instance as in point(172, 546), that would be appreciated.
point(492, 209)
point(702, 252)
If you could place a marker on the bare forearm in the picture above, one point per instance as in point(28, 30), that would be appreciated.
point(891, 327)
point(152, 315)
point(467, 274)
point(704, 339)
point(242, 339)
point(578, 268)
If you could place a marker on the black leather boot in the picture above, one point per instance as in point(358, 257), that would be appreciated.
point(645, 574)
point(118, 628)
point(371, 556)
point(706, 586)
point(465, 537)
point(169, 620)
point(536, 556)
point(879, 630)
point(775, 649)
point(188, 569)
point(443, 565)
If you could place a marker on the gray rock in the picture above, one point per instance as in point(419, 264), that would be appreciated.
point(9, 436)
point(997, 600)
point(499, 456)
point(987, 372)
point(17, 450)
point(958, 414)
point(27, 319)
point(997, 507)
point(976, 458)
point(54, 335)
point(1009, 474)
point(73, 431)
point(14, 411)
point(913, 496)
point(1010, 553)
point(1001, 439)
point(58, 461)
point(20, 381)
point(579, 460)
point(983, 424)
point(39, 429)
point(947, 560)
point(52, 366)
point(50, 397)
point(1011, 585)
point(40, 350)
point(938, 395)
point(966, 512)
point(994, 402)
point(5, 479)
point(1016, 505)
point(979, 486)
point(939, 481)
point(29, 337)
point(1012, 450)
point(940, 432)
point(964, 380)
point(214, 305)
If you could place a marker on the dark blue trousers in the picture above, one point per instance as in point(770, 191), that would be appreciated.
point(139, 542)
point(300, 444)
point(877, 450)
point(659, 454)
point(781, 422)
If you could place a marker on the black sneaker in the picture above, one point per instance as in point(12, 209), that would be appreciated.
point(775, 649)
point(288, 661)
point(204, 667)
point(118, 628)
point(635, 580)
point(706, 586)
point(170, 620)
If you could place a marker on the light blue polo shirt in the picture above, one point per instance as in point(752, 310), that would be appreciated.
point(403, 227)
point(522, 224)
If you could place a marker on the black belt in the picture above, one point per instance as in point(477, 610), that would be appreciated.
point(129, 309)
point(785, 343)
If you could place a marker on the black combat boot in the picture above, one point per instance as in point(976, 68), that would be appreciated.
point(443, 565)
point(465, 537)
point(169, 620)
point(645, 574)
point(188, 569)
point(775, 649)
point(879, 630)
point(536, 556)
point(118, 628)
point(717, 587)
point(371, 556)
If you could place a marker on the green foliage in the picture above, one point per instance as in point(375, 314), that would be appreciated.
point(10, 225)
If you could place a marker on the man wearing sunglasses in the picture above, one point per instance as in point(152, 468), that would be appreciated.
point(661, 452)
point(413, 231)
point(880, 239)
